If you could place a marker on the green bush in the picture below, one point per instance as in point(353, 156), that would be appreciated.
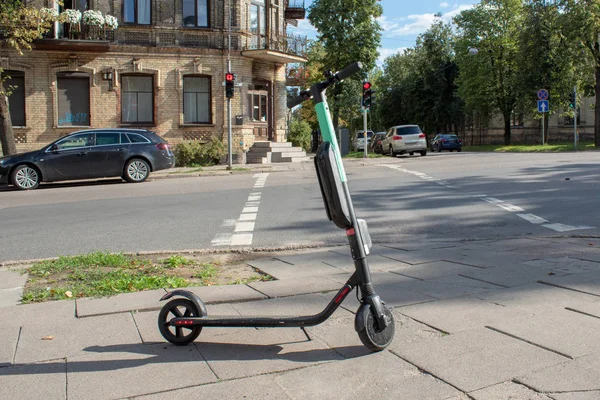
point(194, 153)
point(300, 133)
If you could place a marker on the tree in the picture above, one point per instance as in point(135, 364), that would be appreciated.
point(349, 32)
point(582, 26)
point(487, 55)
point(19, 26)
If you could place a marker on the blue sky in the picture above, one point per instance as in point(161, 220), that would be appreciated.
point(402, 21)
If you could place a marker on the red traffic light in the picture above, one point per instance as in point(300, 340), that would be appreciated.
point(366, 85)
point(229, 77)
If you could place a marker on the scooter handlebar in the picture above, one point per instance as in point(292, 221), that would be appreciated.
point(348, 71)
point(304, 95)
point(338, 77)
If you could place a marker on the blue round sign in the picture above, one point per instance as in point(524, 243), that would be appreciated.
point(543, 94)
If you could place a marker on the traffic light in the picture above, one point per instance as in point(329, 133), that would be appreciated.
point(367, 92)
point(572, 100)
point(229, 84)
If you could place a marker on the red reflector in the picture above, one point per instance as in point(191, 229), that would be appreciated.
point(396, 137)
point(422, 135)
point(342, 294)
point(350, 232)
point(184, 322)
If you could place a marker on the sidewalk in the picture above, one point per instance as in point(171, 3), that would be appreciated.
point(496, 319)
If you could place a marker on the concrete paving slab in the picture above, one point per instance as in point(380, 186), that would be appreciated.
point(282, 270)
point(71, 339)
point(581, 374)
point(48, 313)
point(510, 275)
point(140, 301)
point(549, 330)
point(591, 395)
point(147, 322)
point(119, 371)
point(12, 279)
point(248, 352)
point(474, 359)
point(460, 313)
point(587, 282)
point(436, 269)
point(536, 297)
point(409, 257)
point(570, 265)
point(332, 256)
point(508, 390)
point(34, 381)
point(446, 287)
point(376, 263)
point(11, 297)
point(592, 309)
point(291, 287)
point(223, 294)
point(381, 375)
point(8, 344)
point(258, 387)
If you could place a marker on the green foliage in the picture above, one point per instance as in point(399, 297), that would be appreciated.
point(547, 148)
point(207, 273)
point(194, 153)
point(177, 261)
point(300, 134)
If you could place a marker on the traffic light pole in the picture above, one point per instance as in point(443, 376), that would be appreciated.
point(575, 117)
point(229, 134)
point(365, 131)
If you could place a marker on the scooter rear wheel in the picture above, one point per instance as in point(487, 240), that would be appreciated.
point(178, 335)
point(370, 335)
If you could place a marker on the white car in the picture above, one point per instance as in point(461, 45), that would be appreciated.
point(403, 139)
point(359, 143)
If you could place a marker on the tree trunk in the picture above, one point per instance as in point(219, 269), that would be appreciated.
point(7, 137)
point(597, 110)
point(507, 129)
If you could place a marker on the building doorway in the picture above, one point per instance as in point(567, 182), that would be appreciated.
point(260, 110)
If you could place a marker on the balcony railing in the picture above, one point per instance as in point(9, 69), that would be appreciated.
point(289, 44)
point(295, 9)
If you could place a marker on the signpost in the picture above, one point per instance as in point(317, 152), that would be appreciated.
point(543, 107)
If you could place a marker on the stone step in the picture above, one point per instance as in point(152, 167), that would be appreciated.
point(272, 144)
point(265, 150)
point(276, 157)
point(252, 156)
point(261, 160)
point(292, 159)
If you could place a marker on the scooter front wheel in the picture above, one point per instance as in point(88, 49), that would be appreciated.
point(374, 338)
point(178, 335)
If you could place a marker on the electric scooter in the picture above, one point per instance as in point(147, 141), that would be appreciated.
point(181, 320)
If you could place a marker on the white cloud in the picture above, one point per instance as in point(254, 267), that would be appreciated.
point(386, 52)
point(416, 23)
point(444, 5)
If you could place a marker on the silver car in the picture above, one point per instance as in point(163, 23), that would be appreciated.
point(403, 139)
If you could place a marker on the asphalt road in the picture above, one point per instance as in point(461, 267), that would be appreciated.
point(440, 196)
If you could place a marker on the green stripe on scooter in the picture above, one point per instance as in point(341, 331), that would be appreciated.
point(328, 134)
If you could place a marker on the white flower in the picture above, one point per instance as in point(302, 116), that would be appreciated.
point(111, 22)
point(93, 18)
point(50, 14)
point(71, 16)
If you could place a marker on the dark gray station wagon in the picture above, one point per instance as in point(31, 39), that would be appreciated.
point(96, 153)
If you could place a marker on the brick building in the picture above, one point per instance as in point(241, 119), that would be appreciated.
point(162, 69)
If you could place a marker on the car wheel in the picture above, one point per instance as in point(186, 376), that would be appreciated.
point(439, 149)
point(25, 177)
point(392, 152)
point(411, 153)
point(459, 150)
point(136, 170)
point(423, 153)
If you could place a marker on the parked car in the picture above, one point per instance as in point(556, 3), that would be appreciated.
point(446, 141)
point(359, 142)
point(96, 153)
point(375, 143)
point(403, 139)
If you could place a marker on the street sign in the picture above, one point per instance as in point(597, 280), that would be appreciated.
point(543, 106)
point(543, 94)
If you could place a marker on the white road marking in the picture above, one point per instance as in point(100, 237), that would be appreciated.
point(244, 227)
point(250, 209)
point(253, 198)
point(241, 239)
point(229, 222)
point(247, 217)
point(534, 219)
point(221, 239)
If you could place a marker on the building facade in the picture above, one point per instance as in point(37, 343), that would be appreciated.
point(162, 69)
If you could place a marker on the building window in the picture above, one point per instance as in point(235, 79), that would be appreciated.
point(195, 13)
point(196, 100)
point(258, 25)
point(137, 12)
point(73, 98)
point(257, 103)
point(14, 85)
point(137, 100)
